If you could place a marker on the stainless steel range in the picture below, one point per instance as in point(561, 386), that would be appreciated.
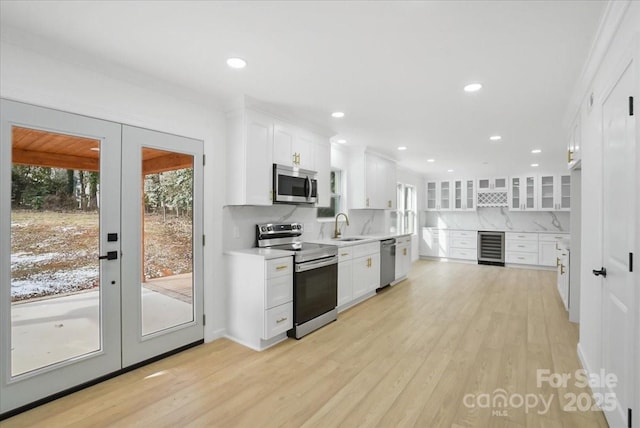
point(315, 278)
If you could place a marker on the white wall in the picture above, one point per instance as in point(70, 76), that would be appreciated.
point(42, 80)
point(616, 38)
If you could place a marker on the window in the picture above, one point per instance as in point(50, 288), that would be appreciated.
point(406, 214)
point(335, 183)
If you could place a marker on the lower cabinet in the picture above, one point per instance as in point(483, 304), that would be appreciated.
point(562, 262)
point(403, 257)
point(358, 272)
point(464, 245)
point(548, 247)
point(521, 248)
point(260, 299)
point(434, 242)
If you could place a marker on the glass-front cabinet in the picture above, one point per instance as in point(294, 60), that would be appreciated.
point(464, 195)
point(555, 192)
point(522, 193)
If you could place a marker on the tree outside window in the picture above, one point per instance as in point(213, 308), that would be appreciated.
point(406, 214)
point(336, 201)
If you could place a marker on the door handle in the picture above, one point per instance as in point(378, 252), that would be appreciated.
point(602, 271)
point(111, 255)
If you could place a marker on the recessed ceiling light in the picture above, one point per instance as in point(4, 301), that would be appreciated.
point(495, 138)
point(236, 63)
point(473, 87)
point(431, 160)
point(401, 148)
point(337, 114)
point(536, 151)
point(449, 170)
point(534, 164)
point(341, 141)
point(95, 149)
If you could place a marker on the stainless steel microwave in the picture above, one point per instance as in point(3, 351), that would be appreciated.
point(294, 185)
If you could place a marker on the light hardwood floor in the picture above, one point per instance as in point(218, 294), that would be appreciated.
point(407, 357)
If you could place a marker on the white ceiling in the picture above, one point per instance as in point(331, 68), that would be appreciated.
point(395, 68)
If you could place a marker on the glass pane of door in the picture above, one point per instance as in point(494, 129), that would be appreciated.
point(530, 193)
point(546, 191)
point(515, 193)
point(565, 191)
point(55, 240)
point(470, 195)
point(167, 240)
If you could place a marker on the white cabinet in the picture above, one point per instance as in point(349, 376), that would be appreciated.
point(497, 184)
point(563, 259)
point(521, 248)
point(439, 195)
point(345, 276)
point(434, 242)
point(249, 158)
point(366, 268)
point(372, 181)
point(403, 257)
point(523, 193)
point(464, 195)
point(548, 245)
point(260, 299)
point(358, 272)
point(555, 192)
point(293, 146)
point(463, 245)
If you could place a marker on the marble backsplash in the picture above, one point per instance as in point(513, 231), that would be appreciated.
point(239, 223)
point(498, 219)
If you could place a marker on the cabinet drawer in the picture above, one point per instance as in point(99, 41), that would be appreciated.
point(278, 320)
point(345, 253)
point(464, 234)
point(522, 236)
point(463, 253)
point(279, 267)
point(523, 246)
point(464, 243)
point(403, 240)
point(552, 237)
point(279, 290)
point(365, 249)
point(522, 258)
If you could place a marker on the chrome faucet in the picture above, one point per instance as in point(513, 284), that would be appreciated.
point(336, 233)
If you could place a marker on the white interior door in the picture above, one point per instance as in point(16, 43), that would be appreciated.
point(162, 304)
point(618, 234)
point(59, 201)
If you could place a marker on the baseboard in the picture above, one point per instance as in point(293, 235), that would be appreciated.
point(264, 344)
point(215, 335)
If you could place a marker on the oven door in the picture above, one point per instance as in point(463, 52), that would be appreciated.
point(315, 289)
point(293, 185)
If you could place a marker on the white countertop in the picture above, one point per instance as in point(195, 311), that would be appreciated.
point(363, 239)
point(266, 253)
point(499, 230)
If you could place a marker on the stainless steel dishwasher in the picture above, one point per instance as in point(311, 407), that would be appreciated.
point(387, 262)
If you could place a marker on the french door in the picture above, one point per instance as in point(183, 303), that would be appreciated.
point(99, 265)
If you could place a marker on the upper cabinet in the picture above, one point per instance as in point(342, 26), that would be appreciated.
point(249, 158)
point(554, 192)
point(440, 195)
point(464, 195)
point(372, 181)
point(499, 184)
point(255, 141)
point(293, 147)
point(523, 193)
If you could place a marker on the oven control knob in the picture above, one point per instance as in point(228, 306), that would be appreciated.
point(263, 229)
point(270, 228)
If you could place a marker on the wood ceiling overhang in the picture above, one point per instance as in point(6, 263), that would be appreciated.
point(49, 149)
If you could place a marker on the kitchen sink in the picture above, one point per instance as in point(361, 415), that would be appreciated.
point(349, 239)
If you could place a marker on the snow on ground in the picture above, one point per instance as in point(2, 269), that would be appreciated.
point(25, 259)
point(55, 282)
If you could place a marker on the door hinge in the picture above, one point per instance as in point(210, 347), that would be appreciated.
point(629, 423)
point(630, 262)
point(203, 240)
point(630, 106)
point(204, 319)
point(204, 160)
